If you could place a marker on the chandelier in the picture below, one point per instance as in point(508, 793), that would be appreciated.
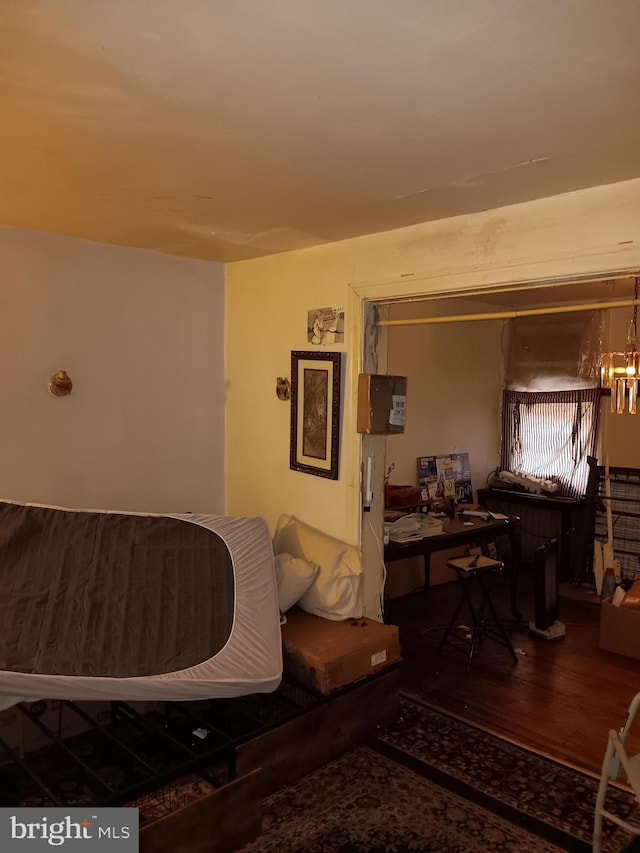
point(620, 371)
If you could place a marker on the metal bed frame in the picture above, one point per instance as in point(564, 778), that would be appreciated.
point(148, 750)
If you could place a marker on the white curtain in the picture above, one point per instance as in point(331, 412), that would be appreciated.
point(550, 434)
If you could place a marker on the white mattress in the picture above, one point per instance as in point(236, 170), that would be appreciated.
point(249, 662)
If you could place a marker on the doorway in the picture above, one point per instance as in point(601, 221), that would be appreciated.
point(456, 373)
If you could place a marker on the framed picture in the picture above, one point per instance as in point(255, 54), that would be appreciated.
point(315, 413)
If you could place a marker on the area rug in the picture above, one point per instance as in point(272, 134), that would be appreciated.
point(365, 801)
point(432, 782)
point(550, 799)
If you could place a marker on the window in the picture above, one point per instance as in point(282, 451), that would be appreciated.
point(550, 434)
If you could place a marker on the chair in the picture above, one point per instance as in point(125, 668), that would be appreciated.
point(477, 570)
point(616, 760)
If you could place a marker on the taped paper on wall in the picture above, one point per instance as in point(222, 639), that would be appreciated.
point(325, 326)
point(398, 410)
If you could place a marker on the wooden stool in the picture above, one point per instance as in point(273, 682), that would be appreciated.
point(481, 571)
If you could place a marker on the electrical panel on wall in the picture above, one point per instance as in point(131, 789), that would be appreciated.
point(382, 403)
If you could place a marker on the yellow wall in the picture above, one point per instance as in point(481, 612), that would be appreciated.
point(266, 319)
point(267, 299)
point(141, 335)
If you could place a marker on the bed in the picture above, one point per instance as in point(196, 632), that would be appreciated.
point(101, 605)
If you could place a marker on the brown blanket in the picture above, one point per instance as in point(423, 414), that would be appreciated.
point(101, 594)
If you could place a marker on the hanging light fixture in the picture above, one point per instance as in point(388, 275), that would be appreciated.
point(620, 371)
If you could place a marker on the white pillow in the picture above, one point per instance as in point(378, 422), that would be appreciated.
point(335, 592)
point(294, 576)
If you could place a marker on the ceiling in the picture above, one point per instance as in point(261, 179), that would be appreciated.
point(228, 129)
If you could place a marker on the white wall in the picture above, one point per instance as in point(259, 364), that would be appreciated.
point(454, 384)
point(141, 335)
point(590, 231)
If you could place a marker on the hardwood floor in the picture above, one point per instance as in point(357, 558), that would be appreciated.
point(561, 698)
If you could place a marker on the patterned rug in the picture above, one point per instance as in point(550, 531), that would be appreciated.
point(550, 799)
point(431, 782)
point(365, 801)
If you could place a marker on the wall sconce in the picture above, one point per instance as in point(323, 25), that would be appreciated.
point(60, 384)
point(620, 371)
point(283, 388)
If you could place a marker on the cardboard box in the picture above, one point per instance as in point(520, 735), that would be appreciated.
point(404, 577)
point(439, 571)
point(620, 630)
point(327, 655)
point(381, 404)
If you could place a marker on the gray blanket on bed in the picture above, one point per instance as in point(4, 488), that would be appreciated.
point(106, 594)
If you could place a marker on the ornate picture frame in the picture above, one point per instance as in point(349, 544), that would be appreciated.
point(315, 412)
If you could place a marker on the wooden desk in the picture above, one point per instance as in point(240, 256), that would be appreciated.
point(457, 532)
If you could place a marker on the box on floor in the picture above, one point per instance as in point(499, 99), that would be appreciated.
point(327, 655)
point(620, 629)
point(405, 576)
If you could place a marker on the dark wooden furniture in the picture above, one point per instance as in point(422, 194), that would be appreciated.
point(349, 717)
point(231, 816)
point(220, 822)
point(469, 530)
point(417, 506)
point(544, 517)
